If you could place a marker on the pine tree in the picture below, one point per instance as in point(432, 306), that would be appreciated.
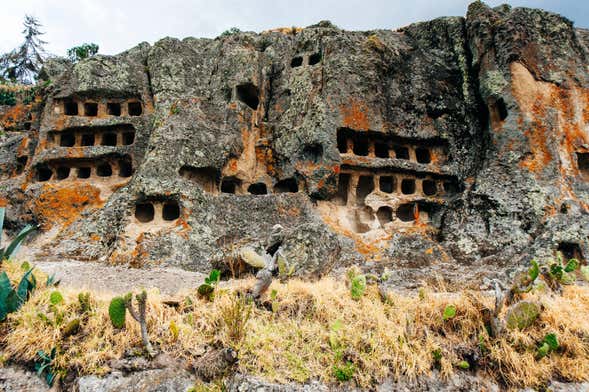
point(23, 64)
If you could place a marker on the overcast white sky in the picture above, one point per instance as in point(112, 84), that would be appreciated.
point(116, 25)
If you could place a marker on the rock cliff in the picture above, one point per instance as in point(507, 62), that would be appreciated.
point(448, 145)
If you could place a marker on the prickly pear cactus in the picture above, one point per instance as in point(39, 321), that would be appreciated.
point(117, 312)
point(522, 314)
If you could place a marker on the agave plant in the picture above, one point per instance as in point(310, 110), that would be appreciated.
point(8, 252)
point(11, 299)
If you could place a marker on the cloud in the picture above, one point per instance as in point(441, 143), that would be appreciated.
point(117, 25)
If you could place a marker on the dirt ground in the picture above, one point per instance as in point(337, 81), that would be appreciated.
point(98, 277)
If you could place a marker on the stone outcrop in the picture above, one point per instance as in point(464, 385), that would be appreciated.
point(444, 145)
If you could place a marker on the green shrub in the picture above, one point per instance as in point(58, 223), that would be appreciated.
point(344, 372)
point(207, 289)
point(449, 312)
point(10, 299)
point(117, 312)
point(55, 298)
point(357, 286)
point(7, 98)
point(44, 365)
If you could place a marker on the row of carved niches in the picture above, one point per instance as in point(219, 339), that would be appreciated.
point(369, 200)
point(379, 145)
point(112, 135)
point(156, 211)
point(354, 186)
point(209, 179)
point(99, 108)
point(305, 59)
point(84, 169)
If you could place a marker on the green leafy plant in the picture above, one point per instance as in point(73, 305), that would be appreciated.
point(464, 365)
point(174, 331)
point(334, 334)
point(559, 271)
point(85, 303)
point(235, 316)
point(7, 98)
point(548, 344)
point(207, 289)
point(522, 314)
point(10, 250)
point(449, 312)
point(229, 32)
point(285, 270)
point(45, 365)
point(275, 303)
point(357, 285)
point(117, 312)
point(344, 372)
point(12, 299)
point(82, 52)
point(71, 328)
point(52, 282)
point(55, 298)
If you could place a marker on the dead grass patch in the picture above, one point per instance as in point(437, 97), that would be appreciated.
point(395, 339)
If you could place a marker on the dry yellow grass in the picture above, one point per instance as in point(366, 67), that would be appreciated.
point(293, 343)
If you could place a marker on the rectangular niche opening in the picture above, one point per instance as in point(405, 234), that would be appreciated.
point(384, 215)
point(387, 184)
point(361, 145)
point(429, 187)
point(207, 177)
point(288, 185)
point(170, 211)
point(450, 187)
point(67, 140)
point(230, 185)
point(128, 138)
point(406, 212)
point(583, 163)
point(408, 186)
point(44, 173)
point(109, 139)
point(125, 169)
point(343, 187)
point(296, 62)
point(62, 172)
point(365, 187)
point(113, 109)
point(91, 109)
point(144, 212)
point(135, 108)
point(342, 141)
point(259, 188)
point(422, 155)
point(401, 152)
point(381, 150)
point(21, 162)
point(70, 108)
point(104, 170)
point(570, 250)
point(87, 139)
point(248, 94)
point(315, 58)
point(84, 172)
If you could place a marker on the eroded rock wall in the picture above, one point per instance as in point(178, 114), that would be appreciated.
point(459, 141)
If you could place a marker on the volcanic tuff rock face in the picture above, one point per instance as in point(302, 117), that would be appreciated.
point(450, 142)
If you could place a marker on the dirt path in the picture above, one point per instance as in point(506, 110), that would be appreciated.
point(99, 278)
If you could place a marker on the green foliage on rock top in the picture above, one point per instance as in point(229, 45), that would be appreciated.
point(82, 52)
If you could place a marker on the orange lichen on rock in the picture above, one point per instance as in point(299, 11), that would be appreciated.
point(355, 115)
point(63, 205)
point(15, 115)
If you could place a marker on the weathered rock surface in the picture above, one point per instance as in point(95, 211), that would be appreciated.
point(454, 145)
